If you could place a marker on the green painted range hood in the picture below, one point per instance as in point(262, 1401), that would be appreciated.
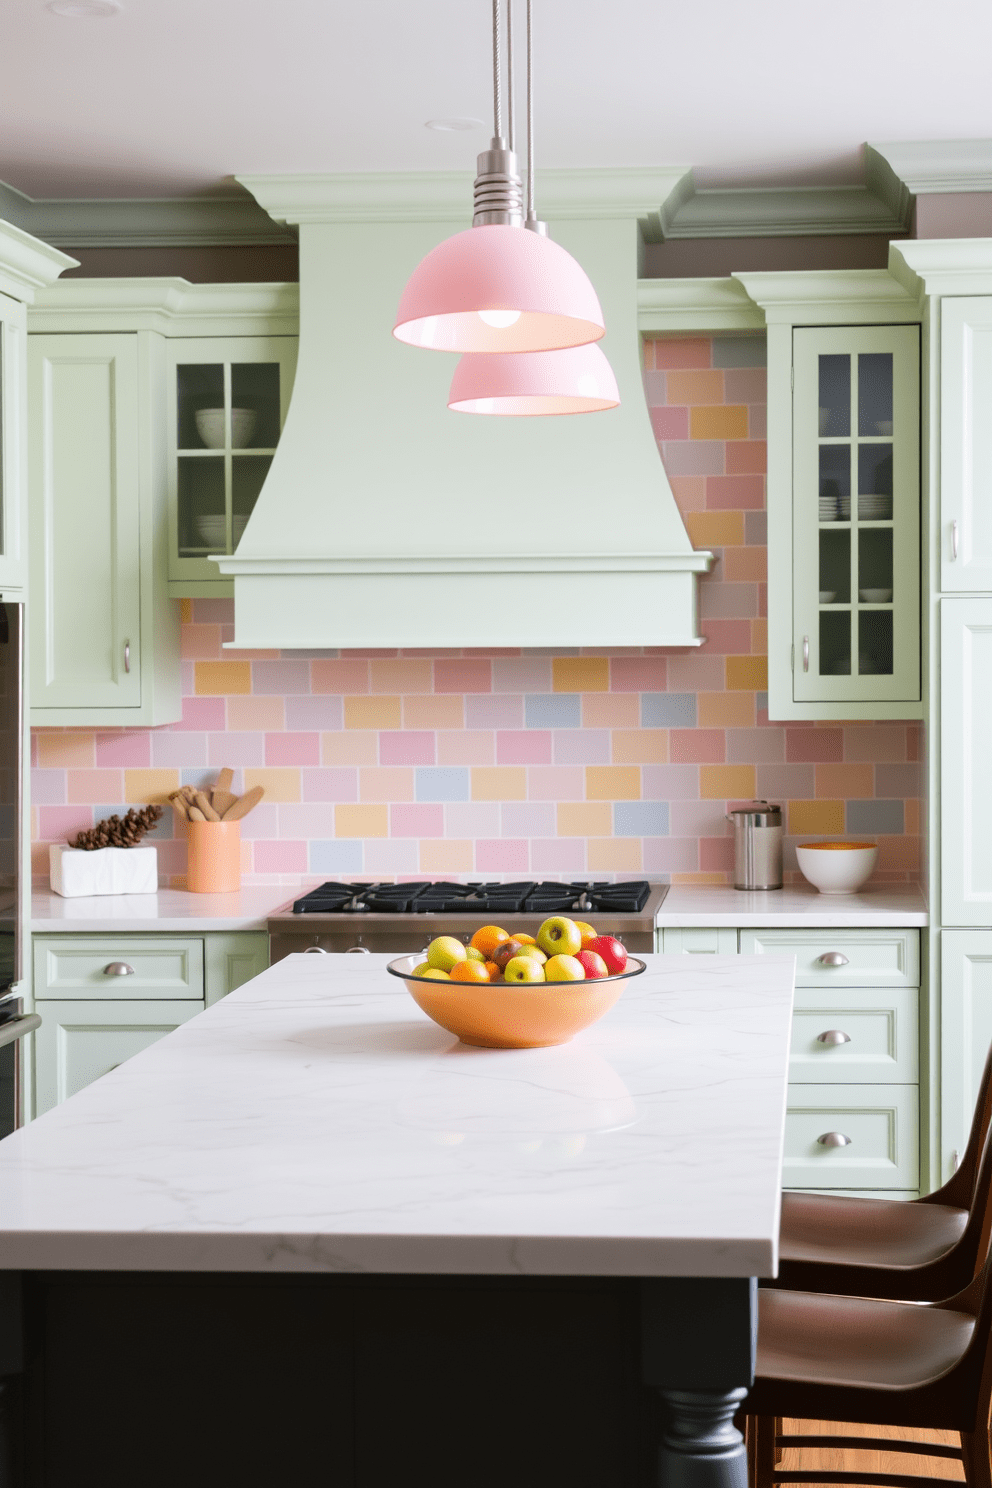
point(388, 521)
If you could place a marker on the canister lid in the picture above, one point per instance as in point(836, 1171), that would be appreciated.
point(759, 813)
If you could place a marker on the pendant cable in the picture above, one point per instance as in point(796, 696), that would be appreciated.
point(497, 76)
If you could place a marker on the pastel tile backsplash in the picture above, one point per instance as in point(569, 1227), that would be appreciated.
point(503, 764)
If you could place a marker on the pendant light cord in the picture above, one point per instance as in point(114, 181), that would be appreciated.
point(497, 73)
point(531, 214)
point(511, 123)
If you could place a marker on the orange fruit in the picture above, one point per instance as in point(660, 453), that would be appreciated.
point(524, 939)
point(487, 938)
point(494, 971)
point(470, 971)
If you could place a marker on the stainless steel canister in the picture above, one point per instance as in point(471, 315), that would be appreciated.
point(757, 845)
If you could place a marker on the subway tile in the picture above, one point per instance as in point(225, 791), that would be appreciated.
point(846, 782)
point(213, 611)
point(900, 854)
point(281, 857)
point(611, 710)
point(441, 783)
point(716, 854)
point(377, 712)
point(142, 786)
point(216, 678)
point(693, 457)
point(472, 819)
point(668, 710)
point(60, 823)
point(735, 492)
point(349, 748)
point(362, 820)
point(695, 387)
point(553, 710)
point(740, 351)
point(527, 819)
point(200, 714)
point(434, 713)
point(580, 674)
point(614, 854)
point(698, 746)
point(746, 385)
point(880, 743)
point(728, 601)
point(638, 747)
point(235, 749)
point(310, 712)
point(303, 820)
point(747, 673)
point(755, 746)
point(613, 782)
point(669, 423)
point(279, 784)
point(200, 777)
point(893, 780)
point(744, 565)
point(581, 747)
point(715, 529)
point(522, 674)
point(747, 457)
point(446, 855)
point(869, 818)
point(463, 675)
point(48, 787)
point(724, 422)
point(820, 818)
point(681, 351)
point(418, 819)
point(200, 642)
point(667, 855)
point(263, 821)
point(123, 749)
point(524, 747)
point(670, 782)
point(584, 818)
point(407, 747)
point(640, 819)
point(501, 783)
point(335, 856)
point(727, 782)
point(329, 785)
point(292, 749)
point(689, 491)
point(363, 653)
point(339, 675)
point(726, 637)
point(385, 855)
point(385, 783)
point(756, 529)
point(694, 672)
point(556, 783)
point(502, 855)
point(281, 676)
point(494, 711)
point(558, 855)
point(698, 819)
point(92, 786)
point(726, 709)
point(655, 394)
point(630, 674)
point(466, 747)
point(820, 745)
point(784, 782)
point(256, 714)
point(757, 422)
point(401, 675)
point(66, 751)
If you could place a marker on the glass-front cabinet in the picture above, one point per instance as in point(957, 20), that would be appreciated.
point(228, 403)
point(856, 513)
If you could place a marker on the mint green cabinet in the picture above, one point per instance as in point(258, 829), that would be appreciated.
point(13, 504)
point(232, 959)
point(965, 1034)
point(698, 940)
point(965, 732)
point(80, 1041)
point(965, 443)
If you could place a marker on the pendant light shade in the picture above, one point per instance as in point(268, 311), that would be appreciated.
point(498, 288)
point(576, 380)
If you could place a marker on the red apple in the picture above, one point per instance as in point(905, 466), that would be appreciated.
point(594, 965)
point(613, 952)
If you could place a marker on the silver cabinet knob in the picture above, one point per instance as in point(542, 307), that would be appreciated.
point(834, 1139)
point(358, 951)
point(832, 958)
point(127, 656)
point(118, 968)
point(314, 951)
point(833, 1036)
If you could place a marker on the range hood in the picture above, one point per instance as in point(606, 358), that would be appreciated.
point(388, 521)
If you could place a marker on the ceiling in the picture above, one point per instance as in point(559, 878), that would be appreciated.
point(174, 97)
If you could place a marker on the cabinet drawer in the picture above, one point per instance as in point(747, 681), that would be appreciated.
point(882, 1028)
point(699, 940)
point(80, 1041)
point(883, 1131)
point(160, 967)
point(871, 958)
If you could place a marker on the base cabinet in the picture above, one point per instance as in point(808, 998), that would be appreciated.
point(80, 1041)
point(965, 1034)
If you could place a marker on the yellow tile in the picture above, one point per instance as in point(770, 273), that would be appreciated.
point(447, 711)
point(759, 636)
point(349, 748)
point(402, 674)
point(215, 678)
point(613, 783)
point(185, 611)
point(615, 854)
point(747, 673)
point(726, 709)
point(439, 855)
point(694, 386)
point(718, 423)
point(280, 782)
point(62, 751)
point(149, 785)
point(715, 529)
point(262, 714)
point(386, 783)
point(585, 819)
point(640, 746)
point(372, 713)
point(580, 674)
point(820, 817)
point(726, 782)
point(499, 783)
point(361, 821)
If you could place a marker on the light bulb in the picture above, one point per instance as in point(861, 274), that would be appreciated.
point(499, 319)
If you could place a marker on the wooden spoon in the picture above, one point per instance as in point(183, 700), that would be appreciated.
point(246, 803)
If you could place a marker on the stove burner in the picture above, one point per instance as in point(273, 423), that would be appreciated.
point(526, 897)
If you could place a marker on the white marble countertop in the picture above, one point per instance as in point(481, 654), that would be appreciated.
point(168, 910)
point(793, 906)
point(316, 1120)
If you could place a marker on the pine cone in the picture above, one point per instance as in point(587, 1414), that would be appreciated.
point(117, 832)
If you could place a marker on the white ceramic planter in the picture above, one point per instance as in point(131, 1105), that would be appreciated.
point(109, 870)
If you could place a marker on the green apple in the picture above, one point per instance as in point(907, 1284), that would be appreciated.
point(533, 951)
point(523, 969)
point(559, 936)
point(445, 952)
point(564, 969)
point(429, 973)
point(472, 954)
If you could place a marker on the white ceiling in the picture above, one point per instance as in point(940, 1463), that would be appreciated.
point(171, 97)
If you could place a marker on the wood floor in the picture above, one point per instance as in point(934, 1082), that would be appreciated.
point(798, 1460)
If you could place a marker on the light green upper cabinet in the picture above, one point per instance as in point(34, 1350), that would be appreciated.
point(856, 514)
point(965, 732)
point(965, 443)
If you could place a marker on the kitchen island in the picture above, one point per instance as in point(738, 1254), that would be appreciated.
point(309, 1232)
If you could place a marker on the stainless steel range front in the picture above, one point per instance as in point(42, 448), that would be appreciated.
point(400, 918)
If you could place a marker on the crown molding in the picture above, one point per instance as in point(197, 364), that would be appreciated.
point(28, 265)
point(166, 222)
point(173, 307)
point(668, 305)
point(831, 297)
point(937, 166)
point(935, 266)
point(880, 207)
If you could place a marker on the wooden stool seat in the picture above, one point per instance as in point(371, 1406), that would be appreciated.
point(841, 1231)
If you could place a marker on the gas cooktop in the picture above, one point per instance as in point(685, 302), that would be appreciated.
point(474, 898)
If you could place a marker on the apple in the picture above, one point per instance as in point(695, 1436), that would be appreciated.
point(613, 952)
point(564, 969)
point(445, 952)
point(524, 939)
point(584, 928)
point(533, 950)
point(472, 953)
point(592, 964)
point(523, 969)
point(559, 936)
point(429, 973)
point(506, 951)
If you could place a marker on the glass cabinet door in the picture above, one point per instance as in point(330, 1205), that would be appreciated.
point(229, 402)
point(856, 514)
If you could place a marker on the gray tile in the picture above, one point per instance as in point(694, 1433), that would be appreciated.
point(899, 780)
point(875, 817)
point(553, 710)
point(339, 855)
point(441, 783)
point(640, 819)
point(740, 351)
point(668, 710)
point(756, 529)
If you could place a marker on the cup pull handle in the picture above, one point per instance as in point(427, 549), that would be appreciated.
point(833, 1036)
point(954, 541)
point(118, 968)
point(832, 958)
point(834, 1139)
point(358, 951)
point(314, 951)
point(127, 656)
point(806, 653)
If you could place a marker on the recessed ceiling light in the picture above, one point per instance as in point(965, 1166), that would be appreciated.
point(84, 9)
point(448, 126)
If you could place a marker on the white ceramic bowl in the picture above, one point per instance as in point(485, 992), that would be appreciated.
point(883, 426)
point(827, 596)
point(837, 867)
point(875, 596)
point(210, 427)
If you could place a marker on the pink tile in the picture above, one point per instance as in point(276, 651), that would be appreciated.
point(502, 855)
point(693, 457)
point(201, 713)
point(522, 674)
point(123, 749)
point(472, 819)
point(58, 823)
point(384, 855)
point(914, 741)
point(266, 714)
point(556, 783)
point(558, 855)
point(697, 819)
point(178, 750)
point(747, 457)
point(727, 637)
point(385, 783)
point(523, 747)
point(670, 782)
point(281, 676)
point(655, 389)
point(582, 746)
point(638, 673)
point(716, 854)
point(880, 743)
point(235, 749)
point(213, 611)
point(339, 675)
point(528, 819)
point(200, 642)
point(756, 746)
point(695, 671)
point(464, 675)
point(466, 747)
point(689, 492)
point(757, 421)
point(329, 784)
point(682, 353)
point(783, 783)
point(494, 711)
point(735, 492)
point(670, 423)
point(818, 745)
point(262, 822)
point(697, 746)
point(728, 601)
point(280, 857)
point(48, 787)
point(611, 710)
point(406, 747)
point(98, 786)
point(292, 749)
point(171, 856)
point(309, 820)
point(418, 819)
point(671, 855)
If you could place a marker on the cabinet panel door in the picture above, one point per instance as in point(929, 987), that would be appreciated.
point(232, 960)
point(80, 1041)
point(966, 1033)
point(701, 940)
point(13, 465)
point(965, 443)
point(882, 1036)
point(965, 732)
point(842, 958)
point(84, 521)
point(882, 1131)
point(162, 968)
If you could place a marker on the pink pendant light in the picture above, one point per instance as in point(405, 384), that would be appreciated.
point(498, 287)
point(576, 380)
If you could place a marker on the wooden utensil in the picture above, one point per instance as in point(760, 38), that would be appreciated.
point(222, 798)
point(195, 814)
point(202, 802)
point(246, 803)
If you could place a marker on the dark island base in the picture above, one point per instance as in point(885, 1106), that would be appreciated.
point(160, 1380)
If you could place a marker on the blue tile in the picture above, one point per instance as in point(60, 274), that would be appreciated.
point(339, 855)
point(640, 819)
point(438, 783)
point(761, 702)
point(875, 818)
point(199, 777)
point(668, 710)
point(739, 351)
point(553, 710)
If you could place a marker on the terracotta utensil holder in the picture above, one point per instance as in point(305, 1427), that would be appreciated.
point(214, 860)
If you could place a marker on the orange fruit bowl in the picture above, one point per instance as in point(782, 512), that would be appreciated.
point(513, 1015)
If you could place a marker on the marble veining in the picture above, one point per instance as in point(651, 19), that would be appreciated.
point(316, 1120)
point(794, 907)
